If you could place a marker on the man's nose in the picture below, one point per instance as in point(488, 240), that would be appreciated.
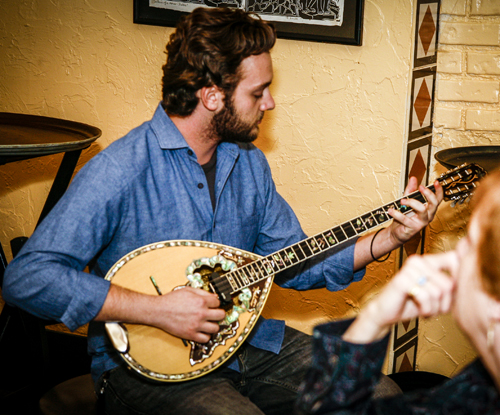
point(268, 102)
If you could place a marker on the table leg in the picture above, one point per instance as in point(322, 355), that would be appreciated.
point(11, 318)
point(61, 182)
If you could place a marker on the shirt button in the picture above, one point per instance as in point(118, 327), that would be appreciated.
point(190, 152)
point(200, 185)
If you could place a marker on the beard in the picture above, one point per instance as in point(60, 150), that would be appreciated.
point(228, 126)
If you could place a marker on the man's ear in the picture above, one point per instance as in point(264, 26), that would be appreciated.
point(211, 98)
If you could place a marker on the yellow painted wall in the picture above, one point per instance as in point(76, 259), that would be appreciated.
point(335, 140)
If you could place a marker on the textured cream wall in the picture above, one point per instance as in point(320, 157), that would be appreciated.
point(335, 140)
point(467, 107)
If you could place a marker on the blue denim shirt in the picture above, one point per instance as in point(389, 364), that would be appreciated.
point(148, 187)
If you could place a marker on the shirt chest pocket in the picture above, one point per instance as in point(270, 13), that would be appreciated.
point(241, 232)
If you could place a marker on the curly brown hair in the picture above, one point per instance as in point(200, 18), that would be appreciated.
point(206, 49)
point(486, 205)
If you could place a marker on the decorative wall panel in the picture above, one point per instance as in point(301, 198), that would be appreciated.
point(422, 102)
point(426, 33)
point(405, 357)
point(418, 154)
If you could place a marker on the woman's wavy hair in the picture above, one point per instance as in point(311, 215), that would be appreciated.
point(206, 49)
point(486, 205)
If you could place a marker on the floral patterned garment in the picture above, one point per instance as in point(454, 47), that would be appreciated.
point(343, 376)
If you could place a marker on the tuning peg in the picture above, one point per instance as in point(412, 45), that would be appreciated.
point(452, 204)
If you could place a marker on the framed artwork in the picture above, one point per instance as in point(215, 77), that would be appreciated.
point(333, 21)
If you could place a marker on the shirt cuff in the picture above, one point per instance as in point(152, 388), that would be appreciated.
point(87, 300)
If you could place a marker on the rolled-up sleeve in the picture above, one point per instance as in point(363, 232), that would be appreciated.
point(47, 277)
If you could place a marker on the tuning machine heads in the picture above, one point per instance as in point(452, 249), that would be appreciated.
point(460, 200)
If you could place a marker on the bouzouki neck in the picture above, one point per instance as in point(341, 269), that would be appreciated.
point(231, 283)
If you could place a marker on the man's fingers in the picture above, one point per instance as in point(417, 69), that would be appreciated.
point(417, 206)
point(439, 192)
point(411, 186)
point(215, 314)
point(201, 337)
point(209, 327)
point(190, 313)
point(211, 299)
point(429, 195)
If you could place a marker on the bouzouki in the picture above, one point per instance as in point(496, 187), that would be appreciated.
point(241, 279)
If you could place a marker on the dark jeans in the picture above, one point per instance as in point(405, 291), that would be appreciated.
point(267, 384)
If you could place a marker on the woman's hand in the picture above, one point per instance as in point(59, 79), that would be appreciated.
point(422, 288)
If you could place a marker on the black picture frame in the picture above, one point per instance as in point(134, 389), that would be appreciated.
point(349, 33)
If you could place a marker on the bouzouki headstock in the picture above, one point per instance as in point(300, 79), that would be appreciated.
point(459, 183)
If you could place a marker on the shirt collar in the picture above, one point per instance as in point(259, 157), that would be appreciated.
point(170, 138)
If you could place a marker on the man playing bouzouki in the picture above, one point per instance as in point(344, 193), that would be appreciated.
point(190, 173)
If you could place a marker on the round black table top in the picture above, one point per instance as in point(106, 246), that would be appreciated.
point(26, 136)
point(488, 157)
